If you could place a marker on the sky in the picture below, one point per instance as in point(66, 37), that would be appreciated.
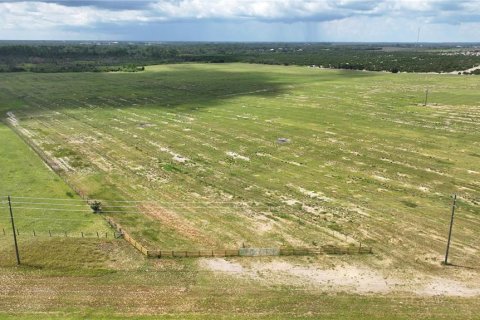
point(242, 20)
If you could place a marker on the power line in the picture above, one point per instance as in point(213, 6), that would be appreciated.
point(53, 209)
point(67, 204)
point(56, 199)
point(126, 201)
point(140, 210)
point(72, 210)
point(55, 219)
point(106, 205)
point(110, 211)
point(51, 204)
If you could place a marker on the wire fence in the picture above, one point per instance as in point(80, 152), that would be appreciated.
point(72, 209)
point(260, 252)
point(240, 252)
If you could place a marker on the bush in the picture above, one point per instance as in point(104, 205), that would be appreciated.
point(95, 205)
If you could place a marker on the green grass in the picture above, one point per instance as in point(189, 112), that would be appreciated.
point(25, 175)
point(364, 157)
point(178, 289)
point(365, 161)
point(166, 293)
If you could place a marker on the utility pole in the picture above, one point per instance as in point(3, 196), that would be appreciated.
point(13, 229)
point(450, 231)
point(426, 97)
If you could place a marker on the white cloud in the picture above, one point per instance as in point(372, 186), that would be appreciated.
point(241, 9)
point(327, 16)
point(316, 10)
point(42, 15)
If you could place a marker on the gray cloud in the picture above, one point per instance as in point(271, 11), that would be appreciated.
point(204, 18)
point(104, 4)
point(445, 11)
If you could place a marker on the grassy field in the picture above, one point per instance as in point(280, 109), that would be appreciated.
point(230, 155)
point(23, 173)
point(363, 158)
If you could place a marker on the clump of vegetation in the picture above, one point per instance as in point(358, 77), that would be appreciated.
point(334, 226)
point(169, 167)
point(95, 205)
point(409, 204)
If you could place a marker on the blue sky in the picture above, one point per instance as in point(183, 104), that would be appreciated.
point(242, 20)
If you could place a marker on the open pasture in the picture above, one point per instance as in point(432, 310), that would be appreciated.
point(23, 173)
point(237, 155)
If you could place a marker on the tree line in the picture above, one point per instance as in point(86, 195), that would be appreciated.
point(132, 57)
